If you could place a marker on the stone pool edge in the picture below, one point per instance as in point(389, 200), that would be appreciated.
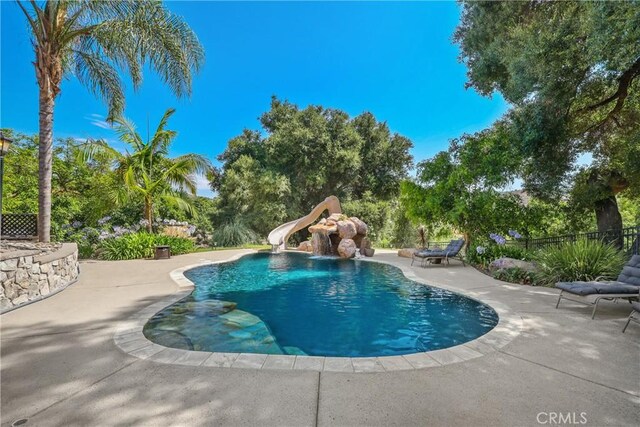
point(130, 338)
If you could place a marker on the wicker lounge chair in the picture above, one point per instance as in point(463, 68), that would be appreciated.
point(627, 286)
point(451, 251)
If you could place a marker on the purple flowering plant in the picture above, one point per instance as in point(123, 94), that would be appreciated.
point(515, 234)
point(498, 239)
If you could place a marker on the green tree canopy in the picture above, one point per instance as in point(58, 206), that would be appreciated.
point(464, 187)
point(77, 186)
point(570, 69)
point(302, 156)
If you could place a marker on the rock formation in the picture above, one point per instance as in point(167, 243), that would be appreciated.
point(305, 246)
point(339, 235)
point(347, 248)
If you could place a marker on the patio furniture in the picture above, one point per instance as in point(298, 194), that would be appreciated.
point(635, 311)
point(451, 251)
point(627, 286)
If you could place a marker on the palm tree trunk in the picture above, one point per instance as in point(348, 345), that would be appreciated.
point(148, 214)
point(45, 160)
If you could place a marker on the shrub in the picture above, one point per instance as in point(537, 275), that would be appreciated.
point(584, 260)
point(140, 245)
point(87, 238)
point(516, 275)
point(233, 233)
point(483, 254)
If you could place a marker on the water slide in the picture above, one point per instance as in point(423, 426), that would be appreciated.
point(279, 235)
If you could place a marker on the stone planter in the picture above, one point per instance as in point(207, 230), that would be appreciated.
point(30, 275)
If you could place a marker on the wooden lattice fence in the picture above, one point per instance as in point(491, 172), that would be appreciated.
point(19, 226)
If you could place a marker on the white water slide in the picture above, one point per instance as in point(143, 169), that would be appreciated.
point(279, 235)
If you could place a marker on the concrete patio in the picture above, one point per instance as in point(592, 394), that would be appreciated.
point(61, 367)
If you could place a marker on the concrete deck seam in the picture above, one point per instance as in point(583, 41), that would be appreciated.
point(80, 391)
point(569, 374)
point(318, 399)
point(53, 333)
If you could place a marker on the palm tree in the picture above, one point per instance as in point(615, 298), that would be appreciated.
point(146, 172)
point(93, 40)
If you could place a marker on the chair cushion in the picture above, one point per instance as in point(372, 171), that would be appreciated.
point(421, 254)
point(439, 253)
point(454, 247)
point(631, 272)
point(592, 288)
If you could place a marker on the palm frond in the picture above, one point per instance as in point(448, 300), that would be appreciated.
point(101, 79)
point(98, 149)
point(33, 22)
point(178, 200)
point(183, 170)
point(126, 131)
point(109, 35)
point(163, 137)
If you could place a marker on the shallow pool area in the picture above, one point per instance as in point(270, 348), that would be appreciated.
point(291, 303)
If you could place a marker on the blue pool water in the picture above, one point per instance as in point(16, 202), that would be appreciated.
point(298, 304)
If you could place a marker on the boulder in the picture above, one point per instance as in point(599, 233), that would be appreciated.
point(361, 227)
point(406, 252)
point(347, 248)
point(305, 246)
point(366, 243)
point(505, 263)
point(325, 229)
point(336, 217)
point(346, 229)
point(368, 252)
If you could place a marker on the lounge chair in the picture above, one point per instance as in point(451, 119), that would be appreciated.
point(635, 306)
point(451, 251)
point(627, 286)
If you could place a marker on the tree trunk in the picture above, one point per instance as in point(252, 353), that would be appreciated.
point(467, 241)
point(45, 160)
point(609, 220)
point(148, 214)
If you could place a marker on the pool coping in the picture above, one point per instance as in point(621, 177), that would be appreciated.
point(130, 338)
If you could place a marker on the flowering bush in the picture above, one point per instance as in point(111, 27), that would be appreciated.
point(104, 220)
point(91, 239)
point(483, 253)
point(515, 234)
point(498, 239)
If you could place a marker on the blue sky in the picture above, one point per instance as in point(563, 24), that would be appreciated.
point(395, 60)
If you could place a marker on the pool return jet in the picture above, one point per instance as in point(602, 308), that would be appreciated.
point(279, 235)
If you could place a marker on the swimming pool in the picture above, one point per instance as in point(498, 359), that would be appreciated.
point(292, 303)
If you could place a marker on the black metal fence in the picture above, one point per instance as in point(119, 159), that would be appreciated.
point(627, 239)
point(19, 226)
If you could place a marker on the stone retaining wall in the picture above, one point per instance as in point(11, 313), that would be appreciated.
point(29, 275)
